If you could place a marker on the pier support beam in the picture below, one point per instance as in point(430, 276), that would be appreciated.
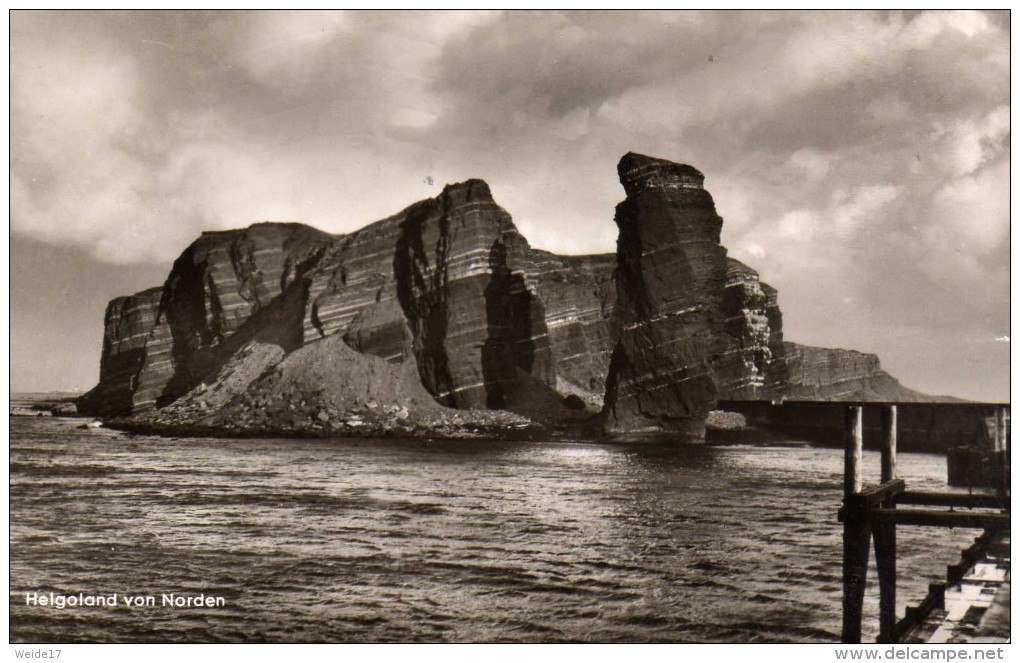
point(856, 529)
point(885, 534)
point(889, 424)
point(1001, 452)
point(885, 558)
point(853, 451)
point(874, 513)
point(856, 549)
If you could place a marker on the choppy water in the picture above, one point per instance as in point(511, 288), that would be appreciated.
point(401, 540)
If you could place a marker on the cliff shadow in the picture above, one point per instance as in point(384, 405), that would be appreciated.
point(508, 354)
point(421, 291)
point(514, 367)
point(280, 322)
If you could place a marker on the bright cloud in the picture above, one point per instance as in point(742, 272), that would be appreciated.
point(860, 153)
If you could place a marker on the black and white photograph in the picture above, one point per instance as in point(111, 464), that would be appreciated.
point(510, 327)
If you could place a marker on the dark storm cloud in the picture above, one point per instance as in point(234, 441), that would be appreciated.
point(860, 159)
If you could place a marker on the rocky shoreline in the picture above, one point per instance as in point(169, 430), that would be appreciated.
point(724, 429)
point(521, 432)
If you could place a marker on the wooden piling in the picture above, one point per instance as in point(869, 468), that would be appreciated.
point(875, 513)
point(885, 558)
point(884, 534)
point(889, 425)
point(853, 450)
point(856, 530)
point(856, 549)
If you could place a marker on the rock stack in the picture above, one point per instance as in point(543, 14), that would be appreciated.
point(671, 274)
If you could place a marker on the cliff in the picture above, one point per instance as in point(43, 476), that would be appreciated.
point(671, 272)
point(445, 284)
point(754, 365)
point(226, 289)
point(448, 286)
point(127, 325)
point(826, 374)
point(443, 315)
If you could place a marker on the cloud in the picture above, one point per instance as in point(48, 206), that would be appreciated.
point(970, 221)
point(862, 154)
point(288, 50)
point(74, 103)
point(968, 143)
point(106, 156)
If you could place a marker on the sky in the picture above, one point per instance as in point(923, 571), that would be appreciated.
point(860, 160)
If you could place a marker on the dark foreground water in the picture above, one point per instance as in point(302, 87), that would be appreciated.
point(373, 540)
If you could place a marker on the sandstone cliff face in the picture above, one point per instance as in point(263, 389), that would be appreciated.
point(479, 328)
point(448, 284)
point(671, 274)
point(754, 363)
point(830, 374)
point(447, 299)
point(579, 296)
point(162, 342)
point(777, 374)
point(127, 325)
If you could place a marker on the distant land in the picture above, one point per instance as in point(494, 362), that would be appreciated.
point(443, 320)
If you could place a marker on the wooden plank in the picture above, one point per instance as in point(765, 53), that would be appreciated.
point(934, 518)
point(977, 550)
point(935, 600)
point(963, 500)
point(873, 495)
point(858, 506)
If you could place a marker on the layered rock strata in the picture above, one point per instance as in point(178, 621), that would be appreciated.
point(832, 374)
point(126, 328)
point(754, 364)
point(579, 297)
point(448, 284)
point(283, 327)
point(671, 274)
point(226, 289)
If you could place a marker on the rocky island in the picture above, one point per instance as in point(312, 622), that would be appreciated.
point(442, 320)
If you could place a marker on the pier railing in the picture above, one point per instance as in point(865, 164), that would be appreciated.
point(872, 513)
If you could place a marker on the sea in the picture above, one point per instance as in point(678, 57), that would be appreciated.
point(400, 540)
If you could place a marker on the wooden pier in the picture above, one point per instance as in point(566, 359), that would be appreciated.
point(873, 512)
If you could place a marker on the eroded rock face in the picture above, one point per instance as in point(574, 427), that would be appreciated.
point(449, 291)
point(162, 342)
point(833, 374)
point(777, 375)
point(448, 283)
point(671, 276)
point(579, 295)
point(220, 283)
point(754, 365)
point(127, 325)
point(461, 278)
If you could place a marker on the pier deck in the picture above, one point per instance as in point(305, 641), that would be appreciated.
point(975, 608)
point(872, 513)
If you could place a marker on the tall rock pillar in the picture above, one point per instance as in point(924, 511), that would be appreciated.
point(670, 279)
